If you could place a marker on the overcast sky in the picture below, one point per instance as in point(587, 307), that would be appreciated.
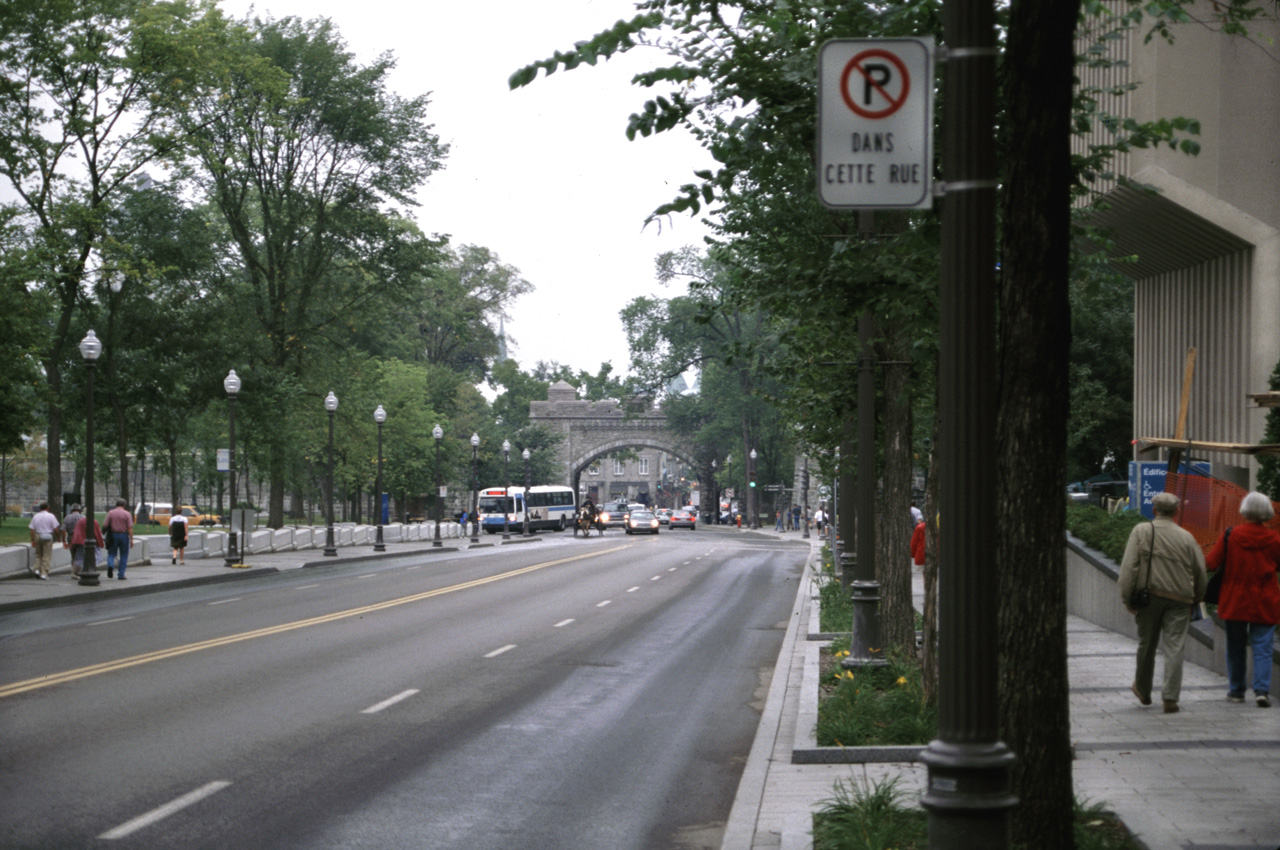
point(544, 175)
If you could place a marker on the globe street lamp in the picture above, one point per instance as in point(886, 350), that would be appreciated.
point(751, 493)
point(506, 493)
point(330, 549)
point(475, 488)
point(379, 416)
point(715, 493)
point(231, 384)
point(438, 433)
point(528, 483)
point(90, 350)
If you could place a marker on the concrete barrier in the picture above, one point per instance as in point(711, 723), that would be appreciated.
point(361, 534)
point(258, 541)
point(195, 543)
point(343, 535)
point(215, 544)
point(393, 533)
point(282, 540)
point(16, 560)
point(303, 537)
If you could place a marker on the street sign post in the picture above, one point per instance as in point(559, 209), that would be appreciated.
point(875, 123)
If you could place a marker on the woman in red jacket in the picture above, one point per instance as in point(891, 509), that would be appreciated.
point(1249, 601)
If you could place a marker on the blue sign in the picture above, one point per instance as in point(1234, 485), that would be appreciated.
point(386, 508)
point(1146, 479)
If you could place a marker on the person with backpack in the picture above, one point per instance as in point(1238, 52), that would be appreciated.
point(1249, 599)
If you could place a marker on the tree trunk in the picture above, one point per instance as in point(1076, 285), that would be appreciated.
point(897, 611)
point(122, 449)
point(1031, 426)
point(175, 489)
point(846, 520)
point(53, 439)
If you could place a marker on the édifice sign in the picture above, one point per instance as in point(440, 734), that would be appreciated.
point(875, 123)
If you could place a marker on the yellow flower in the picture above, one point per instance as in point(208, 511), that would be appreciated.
point(902, 680)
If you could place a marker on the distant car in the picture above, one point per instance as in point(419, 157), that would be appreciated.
point(663, 515)
point(642, 522)
point(684, 518)
point(613, 514)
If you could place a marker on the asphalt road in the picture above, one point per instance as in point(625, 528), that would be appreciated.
point(567, 694)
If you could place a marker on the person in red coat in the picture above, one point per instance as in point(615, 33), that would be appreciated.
point(917, 544)
point(1249, 601)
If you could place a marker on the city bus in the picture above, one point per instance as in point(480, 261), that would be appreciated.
point(549, 507)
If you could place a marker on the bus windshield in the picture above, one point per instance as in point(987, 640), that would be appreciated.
point(493, 505)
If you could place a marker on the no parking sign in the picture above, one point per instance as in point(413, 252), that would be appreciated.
point(875, 123)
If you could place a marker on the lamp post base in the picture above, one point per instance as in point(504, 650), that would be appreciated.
point(968, 797)
point(330, 550)
point(89, 578)
point(378, 545)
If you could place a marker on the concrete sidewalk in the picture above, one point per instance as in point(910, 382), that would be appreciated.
point(1206, 777)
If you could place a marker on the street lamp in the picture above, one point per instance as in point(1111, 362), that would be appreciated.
point(438, 433)
point(330, 549)
point(379, 416)
point(506, 493)
point(715, 493)
point(231, 384)
point(751, 493)
point(475, 488)
point(528, 483)
point(90, 350)
point(729, 474)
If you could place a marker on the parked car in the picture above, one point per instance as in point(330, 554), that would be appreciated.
point(613, 514)
point(161, 512)
point(684, 518)
point(642, 522)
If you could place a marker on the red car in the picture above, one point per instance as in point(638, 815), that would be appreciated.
point(684, 519)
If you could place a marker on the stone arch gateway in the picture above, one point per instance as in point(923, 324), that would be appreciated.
point(594, 429)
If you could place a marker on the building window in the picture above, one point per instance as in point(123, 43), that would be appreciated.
point(594, 470)
point(618, 468)
point(644, 467)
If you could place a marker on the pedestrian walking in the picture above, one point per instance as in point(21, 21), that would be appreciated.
point(918, 544)
point(1164, 560)
point(777, 516)
point(178, 537)
point(119, 538)
point(44, 529)
point(818, 518)
point(1249, 600)
point(917, 515)
point(795, 517)
point(81, 542)
point(68, 532)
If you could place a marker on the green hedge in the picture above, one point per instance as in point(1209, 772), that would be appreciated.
point(1100, 530)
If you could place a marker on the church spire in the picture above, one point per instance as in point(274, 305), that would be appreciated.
point(502, 342)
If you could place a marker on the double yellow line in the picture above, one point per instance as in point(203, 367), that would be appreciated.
point(186, 649)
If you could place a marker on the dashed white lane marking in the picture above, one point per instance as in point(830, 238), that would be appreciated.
point(633, 589)
point(387, 703)
point(500, 650)
point(105, 622)
point(225, 601)
point(671, 569)
point(655, 578)
point(604, 603)
point(306, 587)
point(415, 567)
point(367, 575)
point(686, 563)
point(126, 829)
point(562, 623)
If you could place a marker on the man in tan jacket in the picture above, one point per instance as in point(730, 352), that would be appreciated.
point(1164, 558)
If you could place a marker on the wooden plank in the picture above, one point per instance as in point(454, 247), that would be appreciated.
point(1268, 449)
point(1271, 399)
point(1175, 454)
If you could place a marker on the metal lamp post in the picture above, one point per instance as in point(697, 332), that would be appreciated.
point(475, 488)
point(729, 474)
point(506, 492)
point(379, 416)
point(438, 433)
point(231, 384)
point(528, 483)
point(804, 478)
point(715, 493)
point(90, 350)
point(330, 549)
point(751, 493)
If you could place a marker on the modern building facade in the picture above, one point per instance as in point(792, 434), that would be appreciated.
point(1202, 232)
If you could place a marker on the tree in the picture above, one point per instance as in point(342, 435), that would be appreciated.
point(307, 157)
point(87, 100)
